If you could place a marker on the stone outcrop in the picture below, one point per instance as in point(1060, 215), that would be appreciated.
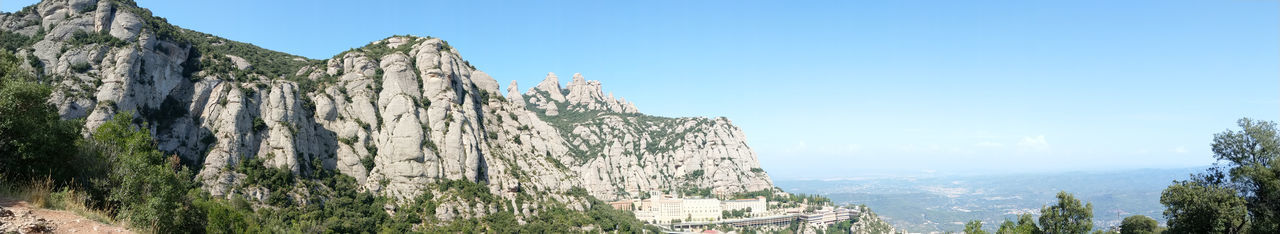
point(398, 115)
point(587, 95)
point(619, 153)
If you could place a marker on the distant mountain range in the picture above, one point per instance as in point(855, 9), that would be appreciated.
point(944, 203)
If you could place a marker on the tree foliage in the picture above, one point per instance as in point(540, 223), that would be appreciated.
point(151, 188)
point(1138, 224)
point(974, 227)
point(1197, 207)
point(34, 141)
point(1252, 156)
point(1026, 225)
point(1241, 195)
point(11, 41)
point(1067, 216)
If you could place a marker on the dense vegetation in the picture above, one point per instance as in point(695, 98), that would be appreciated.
point(780, 200)
point(11, 41)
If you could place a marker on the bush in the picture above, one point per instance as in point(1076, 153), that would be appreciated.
point(150, 189)
point(696, 174)
point(349, 141)
point(11, 41)
point(224, 218)
point(367, 162)
point(258, 124)
point(37, 143)
point(80, 38)
point(273, 178)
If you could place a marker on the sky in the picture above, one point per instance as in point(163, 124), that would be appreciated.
point(843, 89)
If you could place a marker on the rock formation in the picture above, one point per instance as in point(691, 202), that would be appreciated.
point(397, 115)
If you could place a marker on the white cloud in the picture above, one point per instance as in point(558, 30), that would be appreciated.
point(1180, 149)
point(1037, 143)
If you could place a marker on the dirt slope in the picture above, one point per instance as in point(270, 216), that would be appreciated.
point(18, 216)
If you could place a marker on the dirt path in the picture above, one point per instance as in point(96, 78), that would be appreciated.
point(24, 218)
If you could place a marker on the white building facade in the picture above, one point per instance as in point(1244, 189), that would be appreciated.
point(663, 209)
point(757, 205)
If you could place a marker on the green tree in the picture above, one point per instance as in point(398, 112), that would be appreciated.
point(1006, 227)
point(34, 141)
point(1252, 156)
point(1067, 216)
point(1196, 207)
point(1138, 224)
point(974, 227)
point(1026, 225)
point(1240, 196)
point(152, 193)
point(223, 218)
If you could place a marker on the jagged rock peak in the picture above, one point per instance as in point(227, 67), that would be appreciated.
point(513, 94)
point(551, 85)
point(583, 95)
point(589, 95)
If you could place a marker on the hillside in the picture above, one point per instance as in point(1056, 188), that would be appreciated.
point(404, 118)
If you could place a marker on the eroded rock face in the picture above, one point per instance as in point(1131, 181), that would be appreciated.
point(589, 96)
point(397, 115)
point(619, 153)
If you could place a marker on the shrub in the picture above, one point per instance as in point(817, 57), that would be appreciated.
point(367, 162)
point(37, 143)
point(144, 181)
point(90, 8)
point(696, 174)
point(258, 124)
point(11, 41)
point(80, 38)
point(349, 141)
point(430, 145)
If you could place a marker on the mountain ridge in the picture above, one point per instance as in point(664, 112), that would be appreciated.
point(398, 114)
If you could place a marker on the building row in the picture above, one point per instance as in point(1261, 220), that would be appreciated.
point(664, 209)
point(829, 215)
point(824, 216)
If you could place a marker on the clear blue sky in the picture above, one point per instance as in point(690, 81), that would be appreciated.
point(854, 88)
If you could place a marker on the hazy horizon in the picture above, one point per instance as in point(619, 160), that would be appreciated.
point(938, 175)
point(848, 89)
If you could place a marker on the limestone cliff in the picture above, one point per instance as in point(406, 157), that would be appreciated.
point(397, 114)
point(618, 152)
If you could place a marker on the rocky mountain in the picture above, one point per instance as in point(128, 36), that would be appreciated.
point(398, 114)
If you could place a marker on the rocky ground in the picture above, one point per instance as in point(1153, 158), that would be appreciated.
point(21, 217)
